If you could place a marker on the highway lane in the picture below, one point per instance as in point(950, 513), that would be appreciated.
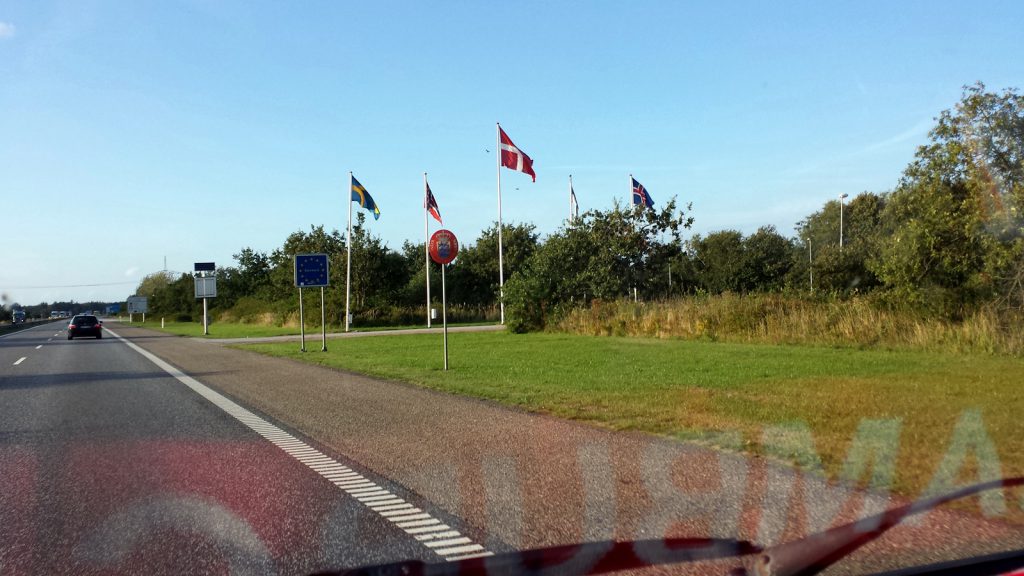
point(111, 465)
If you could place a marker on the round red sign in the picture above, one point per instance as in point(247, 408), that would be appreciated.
point(443, 247)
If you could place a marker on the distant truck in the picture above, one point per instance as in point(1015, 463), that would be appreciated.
point(18, 317)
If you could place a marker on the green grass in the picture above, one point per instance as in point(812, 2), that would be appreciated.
point(217, 330)
point(701, 389)
point(238, 330)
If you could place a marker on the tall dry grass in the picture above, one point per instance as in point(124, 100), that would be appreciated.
point(780, 319)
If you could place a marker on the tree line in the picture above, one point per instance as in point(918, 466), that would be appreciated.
point(949, 237)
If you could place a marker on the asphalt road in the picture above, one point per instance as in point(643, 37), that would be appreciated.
point(110, 465)
point(160, 454)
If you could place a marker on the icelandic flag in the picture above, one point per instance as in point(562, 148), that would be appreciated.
point(640, 194)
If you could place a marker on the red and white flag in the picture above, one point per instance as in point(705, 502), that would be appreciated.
point(513, 158)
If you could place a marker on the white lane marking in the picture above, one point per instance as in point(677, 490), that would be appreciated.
point(459, 549)
point(437, 536)
point(38, 347)
point(373, 505)
point(401, 512)
point(376, 498)
point(365, 499)
point(49, 339)
point(468, 556)
point(382, 509)
point(371, 491)
point(407, 517)
point(423, 529)
point(19, 360)
point(415, 523)
point(449, 542)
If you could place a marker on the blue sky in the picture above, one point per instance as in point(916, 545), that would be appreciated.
point(131, 131)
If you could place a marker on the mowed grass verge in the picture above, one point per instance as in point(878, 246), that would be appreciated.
point(217, 330)
point(696, 389)
point(239, 330)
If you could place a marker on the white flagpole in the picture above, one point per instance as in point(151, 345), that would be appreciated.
point(501, 261)
point(426, 242)
point(348, 260)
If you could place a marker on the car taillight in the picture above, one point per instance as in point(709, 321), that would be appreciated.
point(72, 326)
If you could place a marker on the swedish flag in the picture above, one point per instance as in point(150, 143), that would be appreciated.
point(359, 194)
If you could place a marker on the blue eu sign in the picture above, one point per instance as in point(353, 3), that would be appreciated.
point(310, 270)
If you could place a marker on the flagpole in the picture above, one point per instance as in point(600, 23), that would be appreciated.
point(570, 198)
point(348, 260)
point(501, 261)
point(426, 247)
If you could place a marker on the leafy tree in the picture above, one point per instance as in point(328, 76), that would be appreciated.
point(153, 283)
point(720, 261)
point(474, 274)
point(602, 255)
point(253, 272)
point(767, 258)
point(847, 269)
point(955, 219)
point(414, 293)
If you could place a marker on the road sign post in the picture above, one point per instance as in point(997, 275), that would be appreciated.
point(205, 287)
point(443, 248)
point(137, 305)
point(311, 271)
point(302, 324)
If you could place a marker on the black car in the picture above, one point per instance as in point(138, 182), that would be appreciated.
point(85, 325)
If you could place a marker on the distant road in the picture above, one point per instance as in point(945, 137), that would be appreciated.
point(10, 328)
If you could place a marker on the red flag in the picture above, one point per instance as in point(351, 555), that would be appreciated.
point(513, 158)
point(431, 205)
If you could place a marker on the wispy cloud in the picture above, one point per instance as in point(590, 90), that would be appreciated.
point(6, 30)
point(914, 132)
point(131, 271)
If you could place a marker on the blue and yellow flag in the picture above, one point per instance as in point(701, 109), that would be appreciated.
point(359, 194)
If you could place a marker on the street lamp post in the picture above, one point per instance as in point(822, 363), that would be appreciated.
point(841, 198)
point(810, 262)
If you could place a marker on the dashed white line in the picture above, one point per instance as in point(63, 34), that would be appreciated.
point(468, 556)
point(369, 500)
point(408, 517)
point(38, 347)
point(436, 536)
point(372, 505)
point(408, 509)
point(415, 523)
point(449, 542)
point(382, 509)
point(19, 360)
point(459, 549)
point(423, 529)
